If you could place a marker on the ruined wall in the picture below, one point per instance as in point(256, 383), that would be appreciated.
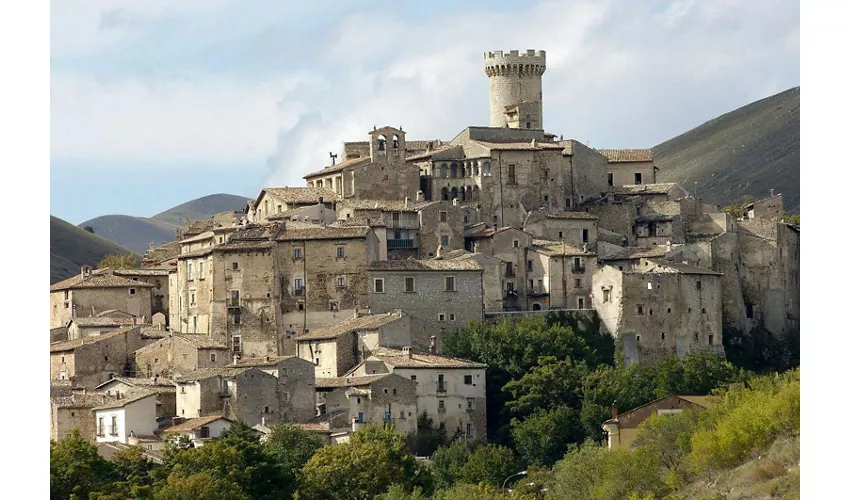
point(617, 217)
point(255, 396)
point(297, 380)
point(589, 171)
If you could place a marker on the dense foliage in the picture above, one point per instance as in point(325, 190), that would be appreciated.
point(114, 261)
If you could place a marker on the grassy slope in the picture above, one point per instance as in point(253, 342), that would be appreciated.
point(202, 208)
point(72, 247)
point(747, 151)
point(134, 233)
point(775, 474)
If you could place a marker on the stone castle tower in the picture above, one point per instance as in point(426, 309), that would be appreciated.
point(516, 92)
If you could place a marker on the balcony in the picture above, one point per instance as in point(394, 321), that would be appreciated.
point(233, 304)
point(536, 292)
point(441, 389)
point(578, 269)
point(298, 292)
point(393, 244)
point(510, 273)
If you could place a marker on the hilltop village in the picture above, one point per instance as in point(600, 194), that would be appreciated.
point(325, 305)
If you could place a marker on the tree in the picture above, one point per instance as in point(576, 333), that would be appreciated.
point(668, 437)
point(490, 464)
point(737, 209)
point(761, 351)
point(427, 438)
point(448, 463)
point(77, 469)
point(366, 466)
point(114, 261)
point(629, 387)
point(134, 472)
point(291, 448)
point(89, 229)
point(202, 485)
point(550, 384)
point(791, 219)
point(543, 437)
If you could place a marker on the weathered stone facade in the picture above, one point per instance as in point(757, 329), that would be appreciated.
point(96, 291)
point(352, 403)
point(178, 354)
point(91, 361)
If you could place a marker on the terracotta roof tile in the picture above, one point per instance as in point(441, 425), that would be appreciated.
point(331, 383)
point(120, 403)
point(434, 264)
point(626, 155)
point(80, 400)
point(367, 322)
point(418, 359)
point(644, 189)
point(303, 194)
point(339, 167)
point(383, 205)
point(97, 280)
point(665, 266)
point(571, 215)
point(68, 345)
point(323, 233)
point(521, 146)
point(194, 423)
point(555, 248)
point(203, 373)
point(629, 253)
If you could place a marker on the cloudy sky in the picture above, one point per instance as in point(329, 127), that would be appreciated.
point(157, 102)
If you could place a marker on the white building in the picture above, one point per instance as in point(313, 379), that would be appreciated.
point(199, 430)
point(131, 416)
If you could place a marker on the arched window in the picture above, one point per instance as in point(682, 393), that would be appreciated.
point(462, 170)
point(536, 307)
point(485, 169)
point(454, 170)
point(382, 142)
point(445, 193)
point(444, 170)
point(395, 141)
point(454, 193)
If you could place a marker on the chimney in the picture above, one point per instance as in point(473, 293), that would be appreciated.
point(419, 195)
point(406, 353)
point(263, 420)
point(440, 249)
point(584, 247)
point(432, 347)
point(406, 202)
point(614, 409)
point(771, 192)
point(669, 246)
point(534, 143)
point(356, 313)
point(235, 359)
point(454, 201)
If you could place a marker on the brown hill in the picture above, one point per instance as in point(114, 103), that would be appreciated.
point(72, 247)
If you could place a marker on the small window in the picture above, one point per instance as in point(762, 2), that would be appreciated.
point(441, 317)
point(317, 361)
point(413, 378)
point(640, 310)
point(669, 310)
point(530, 266)
point(546, 198)
point(560, 234)
point(236, 342)
point(297, 254)
point(638, 178)
point(699, 285)
point(585, 235)
point(444, 216)
point(467, 379)
point(334, 306)
point(300, 306)
point(212, 357)
point(610, 179)
point(409, 284)
point(468, 430)
point(606, 295)
point(132, 291)
point(516, 243)
point(340, 252)
point(450, 283)
point(340, 282)
point(379, 285)
point(663, 336)
point(235, 266)
point(442, 405)
point(637, 337)
point(470, 403)
point(711, 340)
point(444, 240)
point(266, 409)
point(451, 317)
point(577, 283)
point(401, 415)
point(749, 310)
point(703, 310)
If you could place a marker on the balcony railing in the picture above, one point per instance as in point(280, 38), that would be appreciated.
point(441, 388)
point(510, 273)
point(391, 244)
point(537, 291)
point(578, 269)
point(233, 304)
point(298, 292)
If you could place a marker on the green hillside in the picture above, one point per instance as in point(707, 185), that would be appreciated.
point(134, 233)
point(72, 247)
point(750, 150)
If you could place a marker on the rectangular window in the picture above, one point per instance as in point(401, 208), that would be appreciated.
point(510, 270)
point(212, 357)
point(192, 298)
point(638, 178)
point(132, 291)
point(190, 275)
point(585, 235)
point(606, 295)
point(451, 317)
point(580, 302)
point(560, 234)
point(114, 425)
point(100, 430)
point(340, 282)
point(340, 252)
point(360, 417)
point(711, 340)
point(401, 415)
point(409, 284)
point(205, 432)
point(236, 343)
point(334, 306)
point(413, 378)
point(610, 179)
point(379, 285)
point(468, 430)
point(470, 403)
point(640, 310)
point(699, 285)
point(512, 174)
point(516, 243)
point(444, 240)
point(441, 382)
point(237, 317)
point(200, 269)
point(749, 310)
point(235, 266)
point(450, 283)
point(529, 266)
point(296, 253)
point(467, 379)
point(444, 216)
point(441, 317)
point(577, 283)
point(298, 286)
point(234, 298)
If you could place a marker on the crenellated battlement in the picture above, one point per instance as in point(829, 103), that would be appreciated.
point(499, 63)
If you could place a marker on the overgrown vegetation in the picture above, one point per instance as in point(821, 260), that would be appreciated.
point(114, 261)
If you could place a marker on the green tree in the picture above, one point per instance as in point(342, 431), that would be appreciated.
point(200, 486)
point(89, 229)
point(397, 492)
point(791, 219)
point(134, 471)
point(761, 351)
point(550, 384)
point(448, 463)
point(291, 448)
point(77, 469)
point(628, 387)
point(366, 466)
point(490, 464)
point(543, 437)
point(114, 261)
point(668, 437)
point(427, 438)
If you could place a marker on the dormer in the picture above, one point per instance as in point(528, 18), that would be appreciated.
point(386, 144)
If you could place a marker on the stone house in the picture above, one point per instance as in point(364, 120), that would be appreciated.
point(495, 271)
point(317, 214)
point(276, 201)
point(573, 228)
point(249, 394)
point(628, 258)
point(511, 246)
point(400, 218)
point(767, 208)
point(664, 191)
point(97, 291)
point(156, 277)
point(120, 419)
point(352, 403)
point(78, 328)
point(91, 361)
point(621, 429)
point(559, 276)
point(202, 429)
point(660, 309)
point(452, 391)
point(381, 173)
point(74, 411)
point(443, 293)
point(319, 275)
point(337, 349)
point(122, 387)
point(630, 166)
point(180, 353)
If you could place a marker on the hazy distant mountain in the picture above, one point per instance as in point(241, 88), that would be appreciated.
point(135, 233)
point(72, 247)
point(202, 208)
point(750, 150)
